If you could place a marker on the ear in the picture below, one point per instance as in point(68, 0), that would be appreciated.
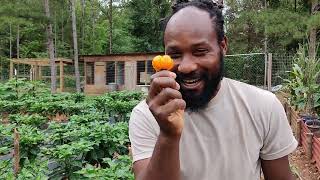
point(224, 45)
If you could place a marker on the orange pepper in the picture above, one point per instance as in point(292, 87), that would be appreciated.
point(162, 63)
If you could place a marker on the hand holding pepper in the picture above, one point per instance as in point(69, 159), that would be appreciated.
point(164, 99)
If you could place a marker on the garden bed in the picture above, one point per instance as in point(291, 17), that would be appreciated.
point(309, 142)
point(64, 136)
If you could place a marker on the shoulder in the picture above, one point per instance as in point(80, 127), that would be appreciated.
point(250, 94)
point(142, 117)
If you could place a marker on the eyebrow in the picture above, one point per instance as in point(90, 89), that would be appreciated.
point(176, 48)
point(172, 48)
point(200, 44)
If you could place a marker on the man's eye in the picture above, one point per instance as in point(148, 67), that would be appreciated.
point(200, 52)
point(175, 56)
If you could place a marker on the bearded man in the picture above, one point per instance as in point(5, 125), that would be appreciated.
point(229, 130)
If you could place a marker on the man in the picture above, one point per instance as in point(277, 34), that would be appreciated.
point(229, 130)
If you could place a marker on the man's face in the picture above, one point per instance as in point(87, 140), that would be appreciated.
point(191, 41)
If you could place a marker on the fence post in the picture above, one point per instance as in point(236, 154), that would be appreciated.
point(61, 75)
point(289, 113)
point(16, 162)
point(298, 131)
point(265, 70)
point(309, 145)
point(11, 69)
point(269, 73)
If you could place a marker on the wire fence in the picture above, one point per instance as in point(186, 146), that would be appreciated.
point(281, 64)
point(25, 71)
point(249, 68)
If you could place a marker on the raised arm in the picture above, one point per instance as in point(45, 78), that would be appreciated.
point(166, 104)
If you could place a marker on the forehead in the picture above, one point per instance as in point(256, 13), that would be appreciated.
point(190, 23)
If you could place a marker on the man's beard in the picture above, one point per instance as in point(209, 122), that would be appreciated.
point(195, 102)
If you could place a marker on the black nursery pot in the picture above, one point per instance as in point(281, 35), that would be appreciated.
point(306, 118)
point(313, 125)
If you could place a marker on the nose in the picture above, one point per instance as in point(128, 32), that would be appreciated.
point(187, 65)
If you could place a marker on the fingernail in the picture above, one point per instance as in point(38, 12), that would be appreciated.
point(177, 86)
point(173, 74)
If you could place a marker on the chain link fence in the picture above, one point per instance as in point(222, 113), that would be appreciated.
point(281, 64)
point(247, 68)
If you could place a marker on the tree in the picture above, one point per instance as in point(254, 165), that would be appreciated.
point(285, 23)
point(313, 32)
point(50, 48)
point(75, 45)
point(145, 16)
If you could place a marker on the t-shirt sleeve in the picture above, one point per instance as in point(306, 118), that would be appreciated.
point(142, 133)
point(278, 140)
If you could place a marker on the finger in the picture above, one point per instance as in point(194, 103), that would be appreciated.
point(163, 73)
point(163, 112)
point(162, 82)
point(165, 95)
point(173, 106)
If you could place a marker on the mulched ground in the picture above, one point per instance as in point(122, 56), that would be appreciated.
point(305, 169)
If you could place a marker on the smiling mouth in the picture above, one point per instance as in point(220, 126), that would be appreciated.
point(191, 83)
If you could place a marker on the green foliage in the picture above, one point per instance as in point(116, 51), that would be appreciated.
point(6, 138)
point(302, 83)
point(118, 104)
point(145, 16)
point(284, 23)
point(34, 120)
point(117, 169)
point(30, 140)
point(92, 142)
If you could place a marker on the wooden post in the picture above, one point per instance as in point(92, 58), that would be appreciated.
point(85, 72)
point(269, 74)
point(145, 71)
point(40, 72)
point(16, 151)
point(36, 72)
point(309, 145)
point(115, 72)
point(265, 70)
point(31, 75)
point(11, 69)
point(298, 131)
point(61, 76)
point(289, 113)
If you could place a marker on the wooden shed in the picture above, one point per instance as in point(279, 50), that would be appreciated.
point(130, 71)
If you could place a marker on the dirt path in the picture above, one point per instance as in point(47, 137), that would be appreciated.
point(301, 166)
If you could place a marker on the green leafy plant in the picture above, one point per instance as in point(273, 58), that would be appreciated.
point(119, 168)
point(302, 83)
point(95, 133)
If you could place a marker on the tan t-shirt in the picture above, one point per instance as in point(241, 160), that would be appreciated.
point(226, 140)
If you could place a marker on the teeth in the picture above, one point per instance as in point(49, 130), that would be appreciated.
point(190, 81)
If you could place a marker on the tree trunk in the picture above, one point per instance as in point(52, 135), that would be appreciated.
point(93, 30)
point(75, 45)
point(82, 25)
point(10, 40)
point(313, 35)
point(55, 35)
point(110, 28)
point(62, 26)
point(50, 48)
point(18, 42)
